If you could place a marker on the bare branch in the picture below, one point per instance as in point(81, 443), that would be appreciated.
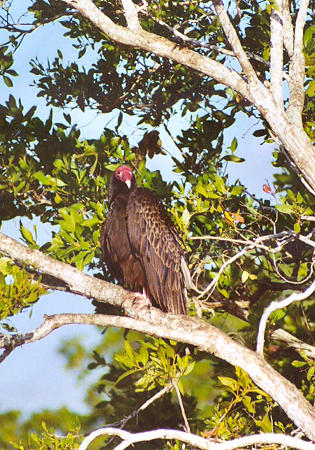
point(181, 405)
point(288, 131)
point(196, 441)
point(235, 42)
point(274, 306)
point(216, 48)
point(283, 238)
point(293, 342)
point(160, 46)
point(297, 69)
point(276, 52)
point(131, 15)
point(75, 281)
point(287, 28)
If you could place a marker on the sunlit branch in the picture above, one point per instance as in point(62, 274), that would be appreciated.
point(274, 306)
point(293, 342)
point(297, 69)
point(235, 42)
point(201, 44)
point(276, 52)
point(287, 28)
point(196, 441)
point(131, 15)
point(200, 334)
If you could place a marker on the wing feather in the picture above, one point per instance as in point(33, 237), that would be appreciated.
point(156, 245)
point(118, 255)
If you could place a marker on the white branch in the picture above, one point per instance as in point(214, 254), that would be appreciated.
point(181, 405)
point(160, 46)
point(274, 306)
point(297, 69)
point(287, 28)
point(131, 15)
point(276, 52)
point(196, 441)
point(235, 42)
point(288, 130)
point(293, 342)
point(251, 245)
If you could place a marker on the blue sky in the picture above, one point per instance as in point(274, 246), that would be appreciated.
point(34, 376)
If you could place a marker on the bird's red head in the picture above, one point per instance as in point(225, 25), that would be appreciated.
point(124, 174)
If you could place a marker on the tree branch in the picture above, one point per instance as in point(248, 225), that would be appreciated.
point(131, 15)
point(297, 69)
point(196, 441)
point(181, 405)
point(160, 46)
point(293, 342)
point(289, 132)
point(276, 52)
point(287, 28)
point(274, 306)
point(193, 331)
point(235, 42)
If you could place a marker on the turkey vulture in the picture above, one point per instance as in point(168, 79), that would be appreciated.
point(140, 244)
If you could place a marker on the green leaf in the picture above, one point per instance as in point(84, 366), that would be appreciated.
point(234, 145)
point(230, 382)
point(308, 35)
point(247, 402)
point(233, 158)
point(126, 374)
point(285, 209)
point(311, 89)
point(186, 217)
point(43, 179)
point(7, 81)
point(189, 368)
point(27, 235)
point(297, 227)
point(297, 363)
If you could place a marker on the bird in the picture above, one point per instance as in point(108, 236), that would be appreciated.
point(141, 245)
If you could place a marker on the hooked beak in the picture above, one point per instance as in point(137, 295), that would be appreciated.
point(128, 183)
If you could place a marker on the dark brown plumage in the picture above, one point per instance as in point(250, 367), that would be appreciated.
point(141, 246)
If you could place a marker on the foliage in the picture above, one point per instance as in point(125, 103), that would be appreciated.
point(18, 289)
point(50, 172)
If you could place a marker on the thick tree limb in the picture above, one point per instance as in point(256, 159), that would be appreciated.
point(196, 441)
point(160, 46)
point(195, 332)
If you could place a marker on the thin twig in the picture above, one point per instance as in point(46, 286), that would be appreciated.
point(181, 405)
point(286, 236)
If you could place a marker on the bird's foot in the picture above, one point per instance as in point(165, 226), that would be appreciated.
point(139, 302)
